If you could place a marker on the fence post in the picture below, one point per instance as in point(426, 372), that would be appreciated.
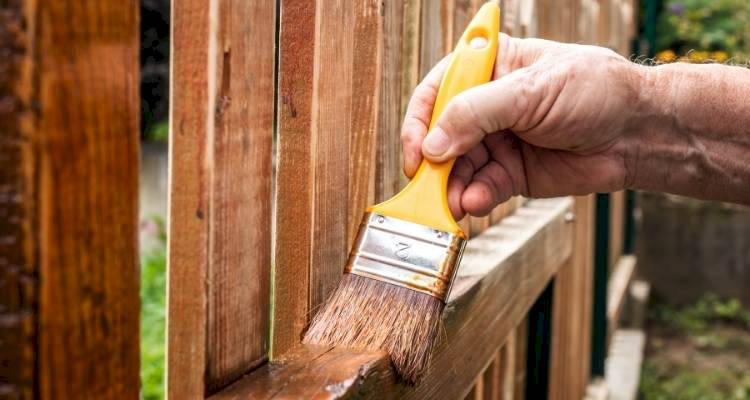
point(69, 137)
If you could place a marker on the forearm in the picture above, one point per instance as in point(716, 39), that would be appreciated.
point(692, 133)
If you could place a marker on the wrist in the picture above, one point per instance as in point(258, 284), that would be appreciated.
point(650, 138)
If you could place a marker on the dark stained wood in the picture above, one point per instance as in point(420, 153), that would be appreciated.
point(69, 156)
point(503, 272)
point(220, 236)
point(317, 373)
point(18, 267)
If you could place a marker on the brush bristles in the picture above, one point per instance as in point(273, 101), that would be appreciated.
point(368, 314)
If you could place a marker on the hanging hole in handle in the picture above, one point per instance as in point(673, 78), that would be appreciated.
point(478, 39)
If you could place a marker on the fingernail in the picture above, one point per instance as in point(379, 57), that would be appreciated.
point(436, 143)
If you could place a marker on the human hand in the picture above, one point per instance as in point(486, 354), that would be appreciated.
point(553, 121)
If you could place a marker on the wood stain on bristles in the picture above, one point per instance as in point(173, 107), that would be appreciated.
point(364, 313)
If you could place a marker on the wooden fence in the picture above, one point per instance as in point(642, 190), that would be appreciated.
point(284, 125)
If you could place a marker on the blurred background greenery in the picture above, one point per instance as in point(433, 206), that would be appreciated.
point(704, 30)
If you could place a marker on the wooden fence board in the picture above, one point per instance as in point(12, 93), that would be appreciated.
point(329, 77)
point(294, 168)
point(222, 124)
point(569, 371)
point(68, 200)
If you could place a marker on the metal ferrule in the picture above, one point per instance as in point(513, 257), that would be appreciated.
point(406, 254)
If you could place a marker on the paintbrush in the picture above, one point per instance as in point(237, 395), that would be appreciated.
point(400, 270)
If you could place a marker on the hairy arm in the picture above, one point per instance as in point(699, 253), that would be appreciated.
point(692, 133)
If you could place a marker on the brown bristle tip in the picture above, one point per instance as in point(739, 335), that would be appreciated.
point(364, 313)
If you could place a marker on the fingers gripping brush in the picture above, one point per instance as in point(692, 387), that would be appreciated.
point(400, 271)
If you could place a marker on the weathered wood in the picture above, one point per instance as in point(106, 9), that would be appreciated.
point(388, 162)
point(69, 278)
point(503, 272)
point(222, 124)
point(294, 168)
point(436, 33)
point(319, 373)
point(366, 67)
point(569, 371)
point(328, 82)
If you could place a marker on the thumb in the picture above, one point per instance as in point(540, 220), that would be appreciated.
point(476, 112)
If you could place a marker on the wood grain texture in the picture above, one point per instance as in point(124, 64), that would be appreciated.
point(18, 267)
point(294, 169)
point(503, 272)
point(571, 326)
point(332, 117)
point(222, 120)
point(436, 33)
point(389, 156)
point(84, 135)
point(366, 74)
point(189, 202)
point(328, 82)
point(317, 373)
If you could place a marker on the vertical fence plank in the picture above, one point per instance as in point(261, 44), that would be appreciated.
point(189, 201)
point(328, 82)
point(366, 72)
point(569, 372)
point(222, 123)
point(331, 115)
point(294, 168)
point(69, 114)
point(393, 62)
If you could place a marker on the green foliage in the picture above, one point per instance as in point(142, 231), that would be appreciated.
point(158, 132)
point(697, 318)
point(662, 381)
point(708, 25)
point(699, 352)
point(153, 312)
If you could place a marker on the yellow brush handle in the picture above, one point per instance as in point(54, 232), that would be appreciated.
point(424, 200)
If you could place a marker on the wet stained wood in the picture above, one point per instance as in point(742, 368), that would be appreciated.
point(69, 280)
point(503, 272)
point(319, 373)
point(18, 266)
point(222, 127)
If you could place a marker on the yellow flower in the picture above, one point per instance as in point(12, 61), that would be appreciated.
point(698, 56)
point(666, 56)
point(719, 56)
